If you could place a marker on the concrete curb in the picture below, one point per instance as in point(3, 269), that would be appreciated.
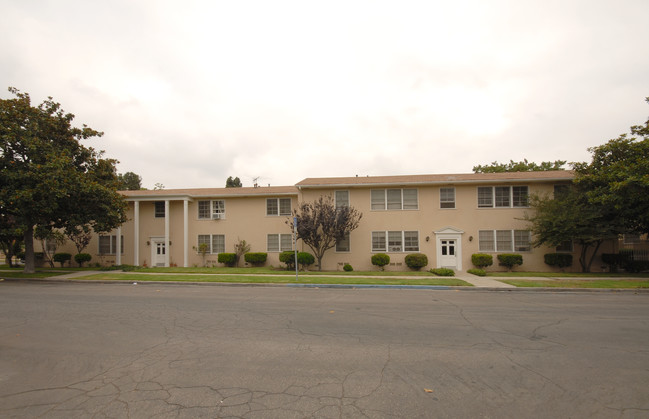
point(333, 286)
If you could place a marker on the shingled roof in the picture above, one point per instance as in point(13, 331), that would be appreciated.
point(508, 177)
point(210, 192)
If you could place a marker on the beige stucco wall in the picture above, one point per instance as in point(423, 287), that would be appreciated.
point(246, 219)
point(428, 219)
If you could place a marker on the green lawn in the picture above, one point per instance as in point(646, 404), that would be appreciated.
point(279, 272)
point(576, 283)
point(15, 273)
point(569, 274)
point(281, 279)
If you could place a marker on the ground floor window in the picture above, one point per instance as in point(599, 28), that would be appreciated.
point(212, 243)
point(279, 242)
point(395, 241)
point(343, 245)
point(108, 245)
point(504, 240)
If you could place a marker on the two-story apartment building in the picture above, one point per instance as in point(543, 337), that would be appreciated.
point(446, 217)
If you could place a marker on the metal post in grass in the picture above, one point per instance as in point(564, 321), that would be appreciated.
point(295, 243)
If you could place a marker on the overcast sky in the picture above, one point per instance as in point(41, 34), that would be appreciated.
point(189, 93)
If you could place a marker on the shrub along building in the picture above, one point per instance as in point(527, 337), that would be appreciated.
point(446, 217)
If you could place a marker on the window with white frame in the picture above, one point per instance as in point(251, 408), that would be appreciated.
point(213, 243)
point(343, 244)
point(503, 197)
point(108, 245)
point(565, 247)
point(159, 209)
point(341, 198)
point(447, 197)
point(504, 240)
point(395, 241)
point(394, 199)
point(279, 242)
point(214, 209)
point(629, 238)
point(278, 206)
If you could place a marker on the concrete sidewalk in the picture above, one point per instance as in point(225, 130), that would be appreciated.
point(481, 281)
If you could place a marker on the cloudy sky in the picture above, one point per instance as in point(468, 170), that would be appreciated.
point(189, 93)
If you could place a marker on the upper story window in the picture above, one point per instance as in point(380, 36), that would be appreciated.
point(629, 238)
point(341, 198)
point(394, 199)
point(159, 209)
point(503, 197)
point(447, 197)
point(211, 209)
point(278, 206)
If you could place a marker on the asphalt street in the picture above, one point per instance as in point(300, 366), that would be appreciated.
point(202, 351)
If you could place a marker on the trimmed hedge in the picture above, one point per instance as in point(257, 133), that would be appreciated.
point(380, 260)
point(256, 258)
point(625, 259)
point(288, 257)
point(416, 261)
point(560, 260)
point(442, 272)
point(482, 260)
point(347, 267)
point(81, 258)
point(228, 259)
point(477, 272)
point(305, 259)
point(510, 260)
point(62, 258)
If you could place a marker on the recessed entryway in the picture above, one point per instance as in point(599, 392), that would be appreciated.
point(449, 248)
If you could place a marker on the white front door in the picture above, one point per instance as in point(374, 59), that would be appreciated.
point(158, 252)
point(449, 248)
point(448, 256)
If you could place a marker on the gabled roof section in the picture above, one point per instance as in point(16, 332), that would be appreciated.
point(466, 178)
point(160, 194)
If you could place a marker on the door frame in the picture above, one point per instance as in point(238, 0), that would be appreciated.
point(154, 241)
point(449, 233)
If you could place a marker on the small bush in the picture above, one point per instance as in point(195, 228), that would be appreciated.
point(62, 258)
point(510, 260)
point(416, 261)
point(347, 267)
point(477, 272)
point(228, 259)
point(443, 272)
point(255, 258)
point(560, 260)
point(81, 258)
point(125, 268)
point(305, 259)
point(482, 260)
point(288, 257)
point(380, 260)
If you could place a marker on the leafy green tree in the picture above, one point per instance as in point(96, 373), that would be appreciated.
point(320, 224)
point(519, 166)
point(80, 236)
point(129, 181)
point(49, 179)
point(233, 183)
point(571, 217)
point(11, 237)
point(618, 178)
